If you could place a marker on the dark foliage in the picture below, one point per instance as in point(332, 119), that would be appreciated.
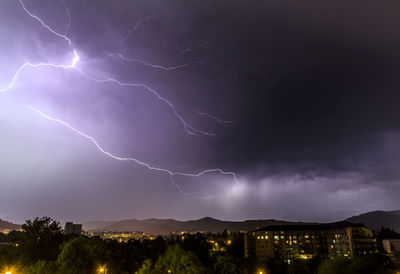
point(42, 248)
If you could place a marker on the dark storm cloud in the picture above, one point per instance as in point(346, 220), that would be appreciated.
point(328, 93)
point(312, 88)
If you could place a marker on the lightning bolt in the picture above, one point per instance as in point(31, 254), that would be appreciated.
point(73, 65)
point(187, 127)
point(135, 27)
point(74, 61)
point(190, 48)
point(171, 173)
point(202, 62)
point(69, 18)
point(45, 25)
point(215, 118)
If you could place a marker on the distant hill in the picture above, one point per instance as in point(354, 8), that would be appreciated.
point(374, 220)
point(96, 225)
point(377, 219)
point(8, 225)
point(165, 226)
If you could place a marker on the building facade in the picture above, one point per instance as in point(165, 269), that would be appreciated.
point(72, 229)
point(290, 242)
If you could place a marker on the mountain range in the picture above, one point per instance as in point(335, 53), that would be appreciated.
point(374, 220)
point(165, 226)
point(377, 219)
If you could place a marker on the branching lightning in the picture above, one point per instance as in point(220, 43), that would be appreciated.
point(185, 49)
point(69, 18)
point(135, 27)
point(74, 61)
point(73, 66)
point(188, 128)
point(169, 68)
point(45, 25)
point(215, 118)
point(134, 160)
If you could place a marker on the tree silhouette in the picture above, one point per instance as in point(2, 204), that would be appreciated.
point(39, 239)
point(177, 260)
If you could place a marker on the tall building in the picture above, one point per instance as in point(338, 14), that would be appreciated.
point(349, 240)
point(290, 242)
point(72, 229)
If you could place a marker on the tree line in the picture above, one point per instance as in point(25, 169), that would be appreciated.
point(42, 248)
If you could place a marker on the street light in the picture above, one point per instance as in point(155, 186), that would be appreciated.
point(102, 269)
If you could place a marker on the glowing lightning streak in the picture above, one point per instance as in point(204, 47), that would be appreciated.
point(45, 25)
point(130, 159)
point(171, 67)
point(188, 128)
point(215, 118)
point(69, 18)
point(72, 65)
point(137, 24)
point(190, 48)
point(74, 61)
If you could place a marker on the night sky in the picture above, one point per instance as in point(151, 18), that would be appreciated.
point(299, 99)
